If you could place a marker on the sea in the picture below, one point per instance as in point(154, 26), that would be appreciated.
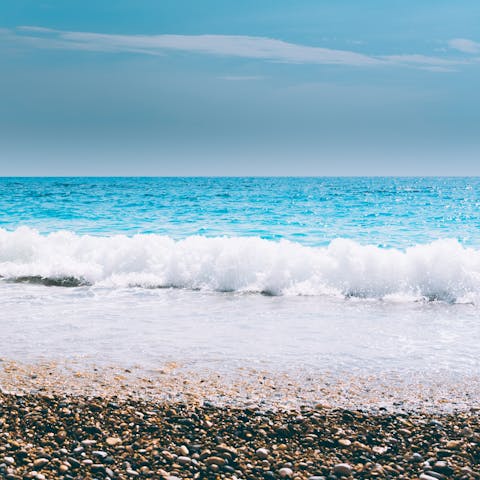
point(363, 274)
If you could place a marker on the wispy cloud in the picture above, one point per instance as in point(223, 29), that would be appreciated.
point(221, 45)
point(464, 45)
point(224, 45)
point(423, 60)
point(240, 78)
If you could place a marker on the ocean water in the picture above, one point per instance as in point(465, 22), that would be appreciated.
point(329, 273)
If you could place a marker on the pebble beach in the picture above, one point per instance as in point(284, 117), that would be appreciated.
point(239, 328)
point(57, 421)
point(68, 437)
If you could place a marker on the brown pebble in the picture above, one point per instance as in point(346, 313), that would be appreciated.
point(113, 441)
point(214, 461)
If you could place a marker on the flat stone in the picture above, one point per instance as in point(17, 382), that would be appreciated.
point(87, 442)
point(112, 441)
point(214, 461)
point(100, 453)
point(342, 469)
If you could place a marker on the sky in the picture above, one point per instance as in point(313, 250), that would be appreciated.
point(228, 87)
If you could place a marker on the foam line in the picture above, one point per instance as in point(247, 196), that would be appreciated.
point(441, 270)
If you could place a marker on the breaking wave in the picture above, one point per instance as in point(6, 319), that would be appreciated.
point(442, 270)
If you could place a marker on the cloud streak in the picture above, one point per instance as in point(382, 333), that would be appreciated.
point(240, 78)
point(240, 46)
point(464, 45)
point(219, 45)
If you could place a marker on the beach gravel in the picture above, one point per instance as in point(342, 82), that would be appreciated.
point(73, 437)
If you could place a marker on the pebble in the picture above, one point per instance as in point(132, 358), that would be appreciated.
point(262, 453)
point(214, 461)
point(453, 444)
point(343, 469)
point(146, 439)
point(416, 458)
point(285, 472)
point(88, 442)
point(40, 462)
point(379, 450)
point(100, 453)
point(442, 467)
point(183, 450)
point(113, 441)
point(437, 475)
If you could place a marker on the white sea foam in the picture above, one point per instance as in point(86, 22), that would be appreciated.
point(443, 270)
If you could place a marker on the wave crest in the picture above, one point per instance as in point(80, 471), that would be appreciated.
point(441, 270)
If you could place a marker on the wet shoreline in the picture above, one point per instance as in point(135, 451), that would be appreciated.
point(247, 387)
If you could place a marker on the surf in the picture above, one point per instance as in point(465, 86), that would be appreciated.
point(441, 270)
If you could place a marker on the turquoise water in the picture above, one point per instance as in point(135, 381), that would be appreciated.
point(337, 274)
point(387, 212)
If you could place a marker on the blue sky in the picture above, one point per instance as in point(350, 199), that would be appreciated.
point(272, 87)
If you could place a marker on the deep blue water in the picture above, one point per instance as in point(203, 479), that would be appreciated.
point(387, 212)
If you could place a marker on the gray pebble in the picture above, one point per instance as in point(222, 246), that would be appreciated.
point(285, 472)
point(342, 469)
point(262, 453)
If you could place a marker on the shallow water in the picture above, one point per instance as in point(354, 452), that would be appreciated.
point(150, 327)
